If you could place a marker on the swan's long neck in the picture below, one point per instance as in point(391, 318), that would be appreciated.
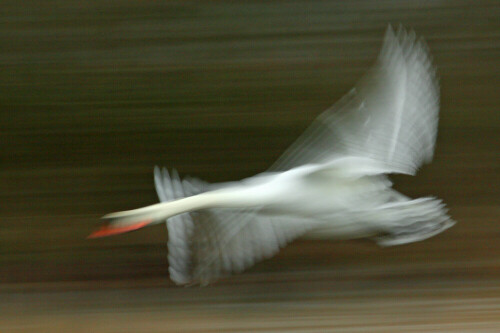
point(161, 211)
point(130, 220)
point(176, 207)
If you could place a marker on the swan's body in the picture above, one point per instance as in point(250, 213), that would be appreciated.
point(331, 183)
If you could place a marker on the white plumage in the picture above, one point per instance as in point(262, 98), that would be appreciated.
point(331, 183)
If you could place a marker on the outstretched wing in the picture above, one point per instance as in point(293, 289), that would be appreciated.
point(207, 244)
point(390, 117)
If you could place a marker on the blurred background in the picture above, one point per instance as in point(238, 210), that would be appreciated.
point(94, 94)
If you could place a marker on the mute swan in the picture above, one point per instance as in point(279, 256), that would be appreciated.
point(331, 183)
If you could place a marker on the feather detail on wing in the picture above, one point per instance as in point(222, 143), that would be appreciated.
point(208, 244)
point(390, 117)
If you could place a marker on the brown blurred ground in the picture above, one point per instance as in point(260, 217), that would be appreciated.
point(94, 94)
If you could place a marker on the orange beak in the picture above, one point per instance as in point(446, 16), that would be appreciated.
point(109, 230)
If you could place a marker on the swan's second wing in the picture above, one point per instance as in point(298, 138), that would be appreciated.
point(227, 241)
point(390, 117)
point(208, 244)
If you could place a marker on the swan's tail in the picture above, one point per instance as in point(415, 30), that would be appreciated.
point(411, 221)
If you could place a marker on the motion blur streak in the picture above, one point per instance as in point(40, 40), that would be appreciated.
point(93, 94)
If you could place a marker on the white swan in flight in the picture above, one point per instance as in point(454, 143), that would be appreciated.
point(331, 183)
